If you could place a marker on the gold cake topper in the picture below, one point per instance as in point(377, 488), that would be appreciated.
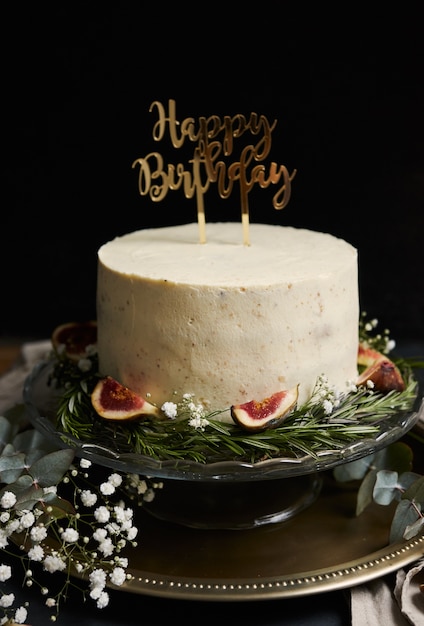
point(214, 139)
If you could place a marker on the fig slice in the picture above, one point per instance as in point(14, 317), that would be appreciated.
point(268, 413)
point(114, 401)
point(368, 356)
point(75, 337)
point(380, 370)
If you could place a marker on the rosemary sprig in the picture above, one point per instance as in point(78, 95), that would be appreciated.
point(309, 430)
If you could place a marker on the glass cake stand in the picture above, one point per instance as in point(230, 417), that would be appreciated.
point(227, 494)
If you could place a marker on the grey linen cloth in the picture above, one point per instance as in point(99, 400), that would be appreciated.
point(379, 601)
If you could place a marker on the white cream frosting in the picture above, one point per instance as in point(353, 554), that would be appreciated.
point(224, 321)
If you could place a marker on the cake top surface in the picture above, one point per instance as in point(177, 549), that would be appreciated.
point(276, 254)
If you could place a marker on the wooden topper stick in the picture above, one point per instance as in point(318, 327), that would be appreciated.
point(199, 197)
point(245, 224)
point(201, 219)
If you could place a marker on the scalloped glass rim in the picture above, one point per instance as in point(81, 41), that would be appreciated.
point(40, 401)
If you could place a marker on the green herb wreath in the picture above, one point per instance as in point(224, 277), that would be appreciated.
point(326, 422)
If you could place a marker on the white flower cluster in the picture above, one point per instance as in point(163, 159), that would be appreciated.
point(385, 343)
point(95, 529)
point(196, 412)
point(326, 396)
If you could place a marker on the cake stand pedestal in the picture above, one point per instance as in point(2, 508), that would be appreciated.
point(239, 505)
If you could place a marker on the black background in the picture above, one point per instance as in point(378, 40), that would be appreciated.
point(78, 81)
point(346, 86)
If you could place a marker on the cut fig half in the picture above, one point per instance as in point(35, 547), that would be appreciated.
point(75, 337)
point(114, 401)
point(380, 370)
point(368, 356)
point(268, 413)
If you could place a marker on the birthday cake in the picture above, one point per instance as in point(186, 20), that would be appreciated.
point(225, 322)
point(207, 330)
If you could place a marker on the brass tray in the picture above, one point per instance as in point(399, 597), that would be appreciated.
point(322, 548)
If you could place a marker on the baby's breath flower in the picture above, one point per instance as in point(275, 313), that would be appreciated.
point(27, 519)
point(170, 409)
point(13, 526)
point(51, 489)
point(149, 495)
point(371, 324)
point(102, 514)
point(8, 500)
point(132, 533)
point(21, 615)
point(118, 576)
point(123, 514)
point(107, 488)
point(112, 528)
point(85, 365)
point(5, 572)
point(88, 498)
point(97, 579)
point(103, 600)
point(328, 407)
point(36, 553)
point(199, 423)
point(7, 600)
point(100, 534)
point(106, 547)
point(70, 535)
point(38, 533)
point(115, 479)
point(390, 345)
point(53, 563)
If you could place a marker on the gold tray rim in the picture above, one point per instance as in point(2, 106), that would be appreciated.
point(340, 576)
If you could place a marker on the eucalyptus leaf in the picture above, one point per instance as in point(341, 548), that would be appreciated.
point(415, 491)
point(11, 467)
point(13, 420)
point(412, 530)
point(34, 455)
point(365, 492)
point(59, 507)
point(407, 480)
point(50, 469)
point(8, 450)
point(397, 456)
point(386, 488)
point(7, 431)
point(20, 485)
point(355, 470)
point(28, 498)
point(32, 438)
point(405, 515)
